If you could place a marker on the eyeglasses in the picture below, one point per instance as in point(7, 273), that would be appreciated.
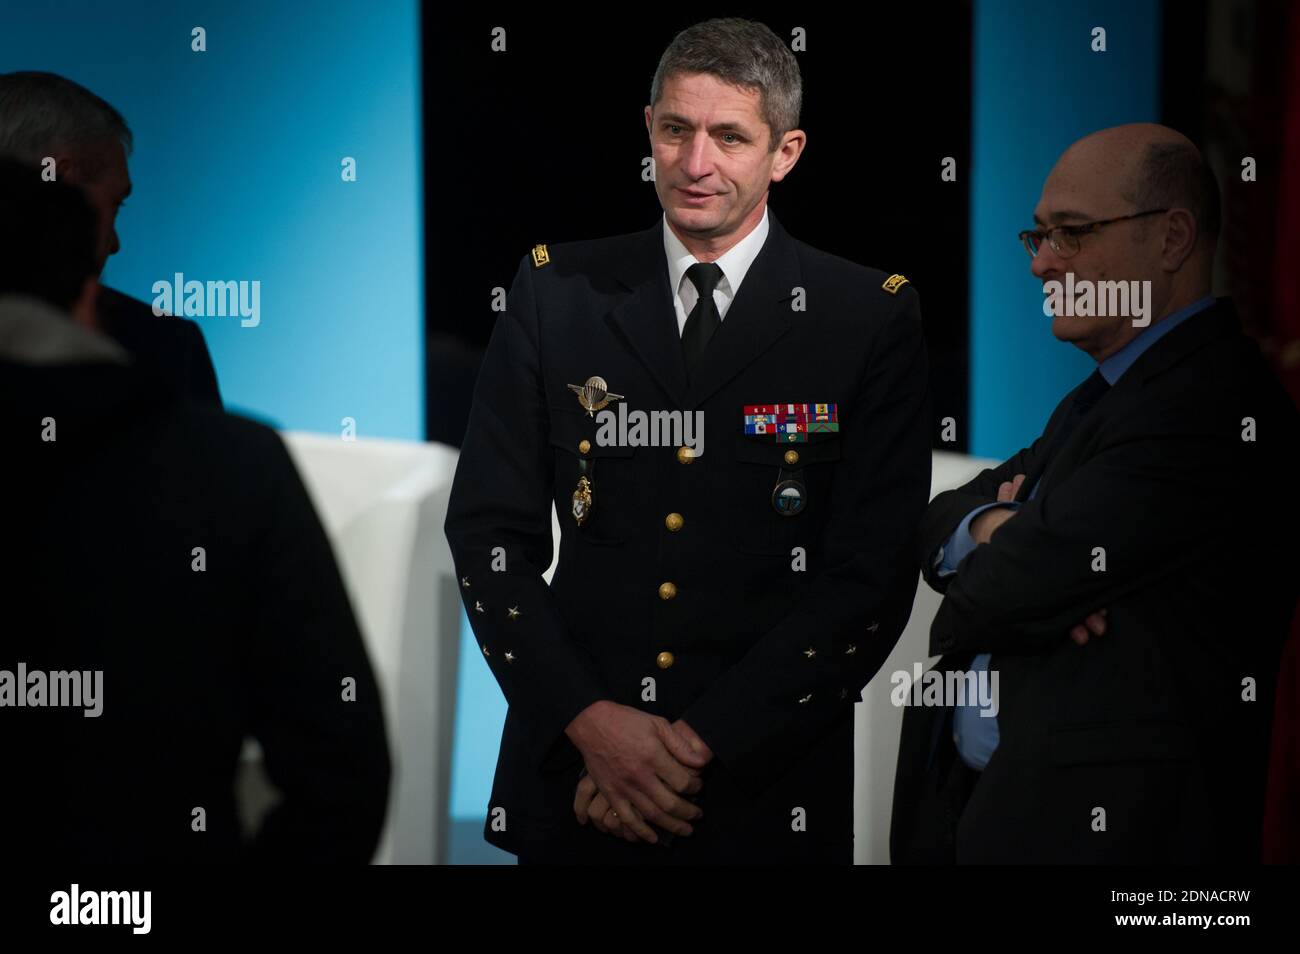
point(1064, 239)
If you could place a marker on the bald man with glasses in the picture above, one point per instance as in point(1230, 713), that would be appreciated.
point(1132, 601)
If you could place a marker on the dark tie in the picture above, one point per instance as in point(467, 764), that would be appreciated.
point(703, 320)
point(1088, 394)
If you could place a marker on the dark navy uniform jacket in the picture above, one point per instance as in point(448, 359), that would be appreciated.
point(772, 624)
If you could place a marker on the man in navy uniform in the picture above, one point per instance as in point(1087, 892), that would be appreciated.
point(683, 690)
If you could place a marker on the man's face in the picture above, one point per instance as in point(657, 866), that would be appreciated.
point(1080, 191)
point(106, 189)
point(710, 146)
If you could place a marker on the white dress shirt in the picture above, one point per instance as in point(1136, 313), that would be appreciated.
point(734, 263)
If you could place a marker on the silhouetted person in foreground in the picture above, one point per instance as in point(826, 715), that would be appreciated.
point(166, 592)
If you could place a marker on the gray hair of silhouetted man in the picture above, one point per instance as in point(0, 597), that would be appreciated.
point(49, 121)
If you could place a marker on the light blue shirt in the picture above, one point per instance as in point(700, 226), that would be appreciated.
point(976, 736)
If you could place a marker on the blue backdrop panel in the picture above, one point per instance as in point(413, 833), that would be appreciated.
point(237, 178)
point(1037, 87)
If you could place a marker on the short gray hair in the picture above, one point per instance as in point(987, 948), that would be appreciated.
point(42, 112)
point(744, 53)
point(1175, 175)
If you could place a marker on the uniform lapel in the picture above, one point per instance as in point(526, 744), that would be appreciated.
point(647, 320)
point(757, 318)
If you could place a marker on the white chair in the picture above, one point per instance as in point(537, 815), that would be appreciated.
point(878, 721)
point(382, 503)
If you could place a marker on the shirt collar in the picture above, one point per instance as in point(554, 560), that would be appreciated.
point(734, 262)
point(34, 332)
point(1113, 368)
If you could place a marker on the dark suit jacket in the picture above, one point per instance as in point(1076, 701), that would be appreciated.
point(1148, 721)
point(767, 660)
point(172, 349)
point(97, 563)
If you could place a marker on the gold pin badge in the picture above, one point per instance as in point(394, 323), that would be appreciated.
point(594, 395)
point(893, 283)
point(540, 256)
point(582, 502)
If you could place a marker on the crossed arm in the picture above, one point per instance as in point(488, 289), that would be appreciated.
point(1130, 503)
point(986, 523)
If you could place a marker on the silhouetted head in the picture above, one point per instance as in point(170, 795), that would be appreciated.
point(47, 241)
point(45, 117)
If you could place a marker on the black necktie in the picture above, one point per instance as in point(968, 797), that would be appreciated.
point(1088, 394)
point(704, 319)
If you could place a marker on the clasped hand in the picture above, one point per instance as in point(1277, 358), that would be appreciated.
point(639, 767)
point(986, 524)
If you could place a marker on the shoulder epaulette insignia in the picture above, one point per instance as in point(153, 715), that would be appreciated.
point(893, 283)
point(540, 256)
